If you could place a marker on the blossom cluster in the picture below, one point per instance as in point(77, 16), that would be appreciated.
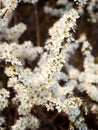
point(67, 5)
point(41, 86)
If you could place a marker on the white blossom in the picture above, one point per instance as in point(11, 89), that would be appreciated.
point(41, 86)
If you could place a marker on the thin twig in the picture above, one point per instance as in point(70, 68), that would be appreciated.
point(37, 25)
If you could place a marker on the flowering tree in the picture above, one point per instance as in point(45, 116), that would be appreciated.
point(41, 86)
